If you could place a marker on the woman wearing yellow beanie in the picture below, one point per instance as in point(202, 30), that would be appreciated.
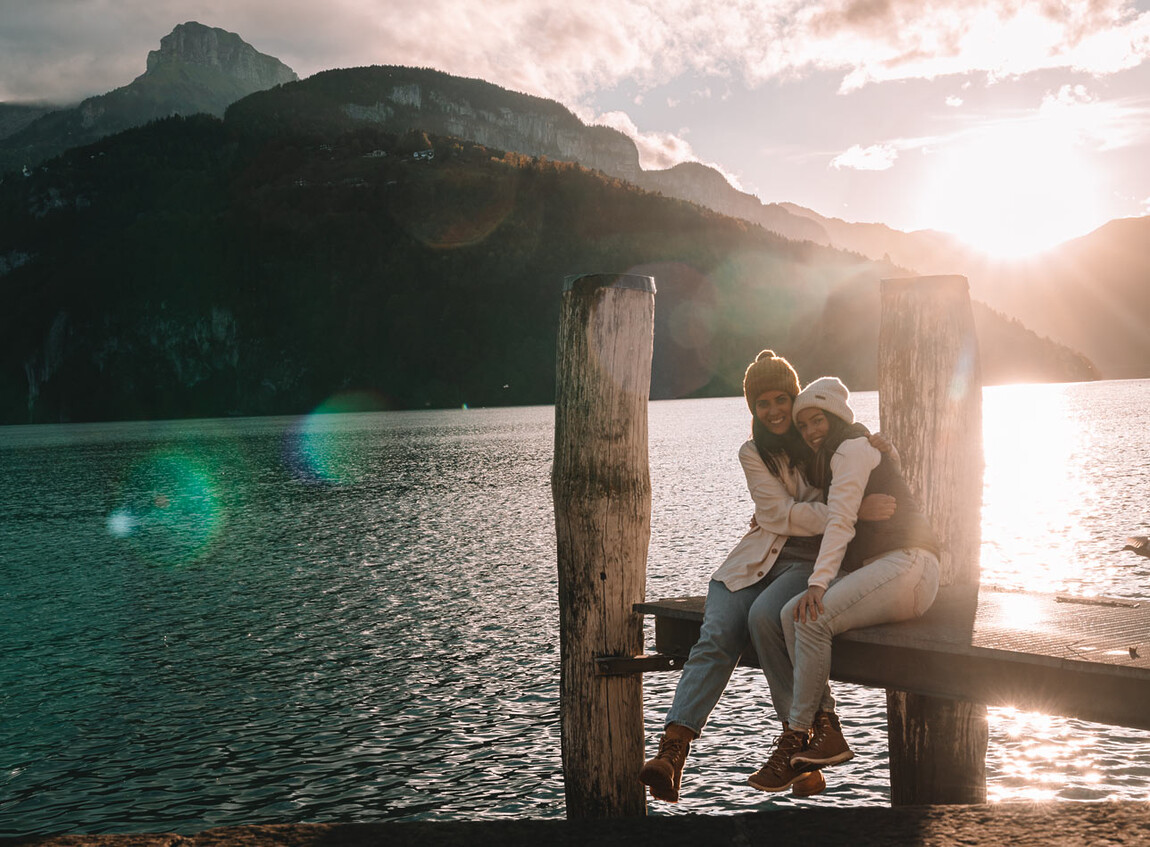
point(768, 567)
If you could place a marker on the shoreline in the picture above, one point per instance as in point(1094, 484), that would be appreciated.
point(1018, 824)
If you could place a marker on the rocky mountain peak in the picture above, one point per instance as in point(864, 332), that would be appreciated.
point(193, 43)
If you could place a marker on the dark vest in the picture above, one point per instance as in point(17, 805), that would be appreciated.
point(908, 527)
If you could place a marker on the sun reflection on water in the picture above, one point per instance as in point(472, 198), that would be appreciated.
point(1034, 492)
point(1056, 508)
point(1041, 758)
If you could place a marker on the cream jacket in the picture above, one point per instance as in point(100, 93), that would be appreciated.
point(783, 507)
point(851, 465)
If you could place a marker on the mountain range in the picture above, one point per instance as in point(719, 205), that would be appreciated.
point(1089, 293)
point(197, 69)
point(398, 233)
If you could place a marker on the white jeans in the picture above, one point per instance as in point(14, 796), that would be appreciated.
point(897, 586)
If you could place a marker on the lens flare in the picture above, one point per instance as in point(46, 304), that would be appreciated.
point(323, 448)
point(963, 373)
point(171, 511)
point(446, 207)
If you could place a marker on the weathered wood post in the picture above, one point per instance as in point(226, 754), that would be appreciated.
point(601, 487)
point(930, 405)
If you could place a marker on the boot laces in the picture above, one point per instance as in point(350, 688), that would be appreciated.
point(824, 724)
point(786, 745)
point(673, 749)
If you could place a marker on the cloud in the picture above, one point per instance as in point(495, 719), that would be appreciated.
point(954, 101)
point(657, 150)
point(61, 51)
point(1069, 118)
point(908, 39)
point(568, 51)
point(1086, 120)
point(877, 157)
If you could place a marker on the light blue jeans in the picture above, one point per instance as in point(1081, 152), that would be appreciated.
point(725, 634)
point(897, 586)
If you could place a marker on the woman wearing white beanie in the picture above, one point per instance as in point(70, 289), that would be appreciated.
point(866, 573)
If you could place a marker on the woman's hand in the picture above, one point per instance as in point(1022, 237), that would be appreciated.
point(810, 604)
point(877, 507)
point(880, 442)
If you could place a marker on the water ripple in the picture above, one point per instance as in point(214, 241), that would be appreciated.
point(378, 641)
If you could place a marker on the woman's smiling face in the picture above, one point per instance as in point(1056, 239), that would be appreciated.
point(813, 425)
point(773, 409)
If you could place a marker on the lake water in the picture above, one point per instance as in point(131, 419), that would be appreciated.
point(353, 617)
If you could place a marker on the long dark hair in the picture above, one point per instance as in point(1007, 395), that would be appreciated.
point(819, 467)
point(774, 449)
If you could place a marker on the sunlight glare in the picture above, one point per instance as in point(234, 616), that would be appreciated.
point(1023, 610)
point(1033, 489)
point(1012, 189)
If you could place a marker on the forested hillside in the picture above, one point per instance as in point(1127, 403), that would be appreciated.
point(204, 267)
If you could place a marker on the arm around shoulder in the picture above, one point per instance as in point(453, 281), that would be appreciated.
point(851, 466)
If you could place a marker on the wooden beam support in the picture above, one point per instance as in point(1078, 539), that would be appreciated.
point(602, 494)
point(930, 406)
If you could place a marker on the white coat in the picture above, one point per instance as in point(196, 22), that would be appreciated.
point(783, 507)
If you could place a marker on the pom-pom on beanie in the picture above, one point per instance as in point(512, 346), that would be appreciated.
point(826, 393)
point(768, 373)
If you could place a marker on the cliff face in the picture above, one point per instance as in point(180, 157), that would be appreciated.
point(555, 134)
point(194, 44)
point(399, 99)
point(198, 69)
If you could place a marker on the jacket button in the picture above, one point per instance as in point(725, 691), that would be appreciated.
point(774, 550)
point(760, 573)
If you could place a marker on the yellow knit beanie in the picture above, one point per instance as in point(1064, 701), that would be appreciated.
point(768, 373)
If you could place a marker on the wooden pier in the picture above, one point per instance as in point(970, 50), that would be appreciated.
point(1048, 824)
point(1086, 658)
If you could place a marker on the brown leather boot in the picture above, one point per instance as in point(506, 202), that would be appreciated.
point(664, 773)
point(778, 774)
point(810, 785)
point(827, 746)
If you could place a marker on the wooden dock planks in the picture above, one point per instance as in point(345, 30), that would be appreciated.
point(1087, 658)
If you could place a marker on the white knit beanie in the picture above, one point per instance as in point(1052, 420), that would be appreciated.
point(826, 393)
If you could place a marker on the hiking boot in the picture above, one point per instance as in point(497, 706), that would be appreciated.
point(778, 774)
point(664, 773)
point(811, 784)
point(827, 745)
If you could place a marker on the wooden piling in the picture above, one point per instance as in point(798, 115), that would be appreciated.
point(930, 405)
point(601, 489)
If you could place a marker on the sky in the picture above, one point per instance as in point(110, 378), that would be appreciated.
point(1013, 124)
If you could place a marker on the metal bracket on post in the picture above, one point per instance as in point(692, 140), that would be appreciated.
point(624, 665)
